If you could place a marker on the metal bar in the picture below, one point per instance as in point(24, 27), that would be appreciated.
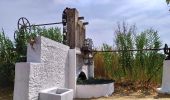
point(129, 50)
point(85, 23)
point(81, 18)
point(47, 24)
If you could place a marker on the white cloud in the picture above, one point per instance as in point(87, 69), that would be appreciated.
point(82, 3)
point(64, 2)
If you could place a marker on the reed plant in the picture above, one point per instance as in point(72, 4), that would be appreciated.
point(7, 60)
point(144, 67)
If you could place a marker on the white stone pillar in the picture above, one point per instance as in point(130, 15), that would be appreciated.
point(72, 70)
point(165, 87)
point(21, 85)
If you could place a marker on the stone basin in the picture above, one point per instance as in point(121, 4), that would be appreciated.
point(95, 90)
point(56, 94)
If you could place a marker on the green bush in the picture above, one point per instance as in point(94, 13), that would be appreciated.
point(7, 60)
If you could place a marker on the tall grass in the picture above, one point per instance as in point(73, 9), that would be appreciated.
point(106, 60)
point(149, 62)
point(140, 66)
point(125, 41)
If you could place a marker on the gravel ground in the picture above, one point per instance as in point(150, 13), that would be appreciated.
point(133, 96)
point(7, 94)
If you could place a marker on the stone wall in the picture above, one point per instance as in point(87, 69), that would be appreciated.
point(46, 67)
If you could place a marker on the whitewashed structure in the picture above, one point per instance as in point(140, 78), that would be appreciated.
point(54, 65)
point(49, 64)
point(94, 90)
point(165, 87)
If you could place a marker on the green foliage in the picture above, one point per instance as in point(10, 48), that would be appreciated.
point(138, 66)
point(108, 58)
point(149, 62)
point(22, 38)
point(7, 60)
point(21, 45)
point(51, 33)
point(125, 41)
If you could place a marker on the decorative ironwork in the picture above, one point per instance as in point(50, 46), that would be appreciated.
point(25, 26)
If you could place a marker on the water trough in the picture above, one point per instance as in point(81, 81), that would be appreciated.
point(56, 94)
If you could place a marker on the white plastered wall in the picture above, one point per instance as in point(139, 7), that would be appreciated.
point(165, 87)
point(47, 66)
point(76, 66)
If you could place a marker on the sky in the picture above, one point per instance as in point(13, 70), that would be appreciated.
point(102, 15)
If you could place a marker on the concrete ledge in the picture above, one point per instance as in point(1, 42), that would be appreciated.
point(94, 90)
point(163, 91)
